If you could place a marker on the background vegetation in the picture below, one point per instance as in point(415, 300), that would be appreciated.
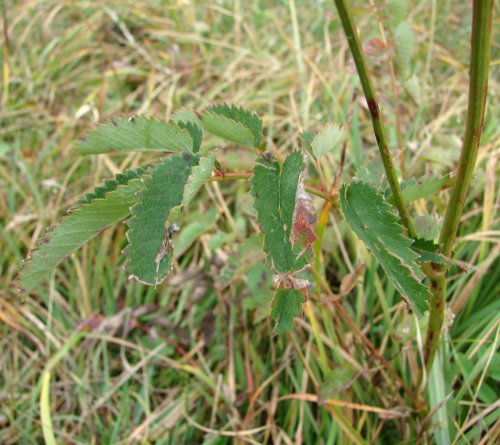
point(195, 360)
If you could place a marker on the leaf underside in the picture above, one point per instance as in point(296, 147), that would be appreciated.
point(286, 306)
point(149, 251)
point(137, 134)
point(274, 189)
point(327, 140)
point(98, 210)
point(370, 217)
point(234, 124)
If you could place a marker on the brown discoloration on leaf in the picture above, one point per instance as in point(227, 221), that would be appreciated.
point(303, 218)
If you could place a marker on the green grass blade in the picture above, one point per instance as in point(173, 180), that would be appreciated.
point(437, 396)
point(45, 416)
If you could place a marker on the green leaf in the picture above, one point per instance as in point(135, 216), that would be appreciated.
point(427, 226)
point(111, 184)
point(405, 46)
point(185, 115)
point(412, 87)
point(107, 205)
point(200, 174)
point(327, 140)
point(195, 132)
point(150, 251)
point(307, 138)
point(234, 124)
point(397, 11)
point(274, 189)
point(423, 188)
point(136, 134)
point(370, 217)
point(287, 305)
point(428, 251)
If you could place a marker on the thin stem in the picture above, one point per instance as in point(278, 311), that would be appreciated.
point(478, 89)
point(373, 106)
point(395, 93)
point(332, 198)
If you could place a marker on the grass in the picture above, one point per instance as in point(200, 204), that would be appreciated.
point(94, 358)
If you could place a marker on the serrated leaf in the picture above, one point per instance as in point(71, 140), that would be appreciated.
point(136, 134)
point(428, 251)
point(112, 184)
point(200, 174)
point(194, 131)
point(423, 188)
point(274, 189)
point(370, 217)
point(185, 115)
point(327, 140)
point(150, 251)
point(287, 305)
point(111, 204)
point(405, 45)
point(234, 124)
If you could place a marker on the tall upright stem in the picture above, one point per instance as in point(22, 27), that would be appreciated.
point(373, 106)
point(478, 89)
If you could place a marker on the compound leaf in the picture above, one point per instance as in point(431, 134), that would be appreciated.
point(234, 124)
point(149, 250)
point(136, 134)
point(287, 305)
point(370, 217)
point(107, 205)
point(275, 189)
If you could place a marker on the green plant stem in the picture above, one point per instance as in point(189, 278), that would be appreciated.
point(478, 89)
point(373, 106)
